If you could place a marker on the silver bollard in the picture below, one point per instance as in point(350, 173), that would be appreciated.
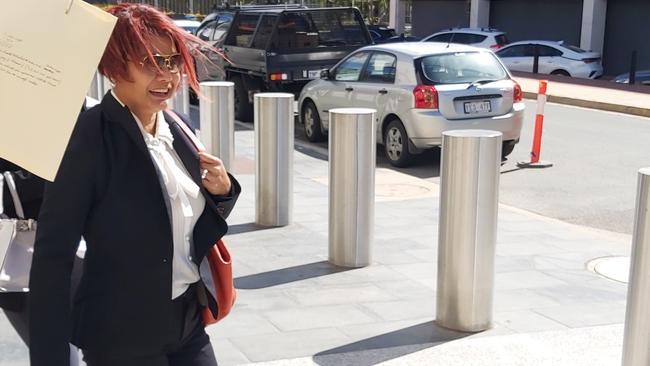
point(636, 337)
point(352, 154)
point(274, 125)
point(180, 102)
point(469, 191)
point(217, 120)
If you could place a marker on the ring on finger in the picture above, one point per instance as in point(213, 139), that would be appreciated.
point(204, 173)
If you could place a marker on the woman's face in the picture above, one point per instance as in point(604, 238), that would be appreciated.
point(148, 89)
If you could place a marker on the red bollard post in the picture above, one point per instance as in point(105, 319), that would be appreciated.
point(539, 127)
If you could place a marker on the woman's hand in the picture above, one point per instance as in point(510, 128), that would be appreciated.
point(215, 177)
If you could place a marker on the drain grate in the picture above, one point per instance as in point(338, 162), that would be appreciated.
point(613, 268)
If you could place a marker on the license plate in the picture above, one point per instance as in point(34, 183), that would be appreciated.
point(314, 74)
point(478, 107)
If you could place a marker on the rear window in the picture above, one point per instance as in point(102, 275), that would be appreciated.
point(574, 48)
point(338, 28)
point(461, 67)
point(319, 29)
point(466, 38)
point(501, 39)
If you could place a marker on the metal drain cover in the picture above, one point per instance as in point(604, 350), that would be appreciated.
point(614, 268)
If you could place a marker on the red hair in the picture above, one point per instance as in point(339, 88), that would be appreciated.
point(137, 25)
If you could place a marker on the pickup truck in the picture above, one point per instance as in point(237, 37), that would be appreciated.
point(279, 49)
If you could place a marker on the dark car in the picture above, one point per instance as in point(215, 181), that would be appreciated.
point(380, 32)
point(640, 77)
point(278, 49)
point(383, 34)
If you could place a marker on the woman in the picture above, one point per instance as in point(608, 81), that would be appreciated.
point(149, 207)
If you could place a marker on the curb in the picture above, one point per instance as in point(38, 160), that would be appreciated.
point(643, 112)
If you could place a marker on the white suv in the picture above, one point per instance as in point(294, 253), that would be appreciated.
point(489, 38)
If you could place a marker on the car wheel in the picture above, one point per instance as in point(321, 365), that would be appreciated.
point(243, 108)
point(560, 73)
point(507, 148)
point(396, 144)
point(311, 120)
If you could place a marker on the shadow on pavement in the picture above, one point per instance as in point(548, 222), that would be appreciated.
point(388, 346)
point(287, 275)
point(246, 228)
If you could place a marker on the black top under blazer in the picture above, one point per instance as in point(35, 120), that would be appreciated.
point(107, 190)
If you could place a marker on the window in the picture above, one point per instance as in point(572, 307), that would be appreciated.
point(244, 27)
point(516, 51)
point(350, 69)
point(462, 67)
point(220, 32)
point(264, 32)
point(338, 27)
point(546, 51)
point(501, 39)
point(205, 33)
point(467, 38)
point(440, 38)
point(295, 30)
point(574, 48)
point(381, 68)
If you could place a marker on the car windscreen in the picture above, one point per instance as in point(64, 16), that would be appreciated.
point(319, 29)
point(461, 67)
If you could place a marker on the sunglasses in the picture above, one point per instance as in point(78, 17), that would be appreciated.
point(158, 63)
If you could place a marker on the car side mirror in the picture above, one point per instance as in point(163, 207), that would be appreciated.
point(325, 74)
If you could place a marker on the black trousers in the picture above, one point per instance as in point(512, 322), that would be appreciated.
point(188, 343)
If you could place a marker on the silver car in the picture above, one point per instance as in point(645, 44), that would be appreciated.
point(419, 90)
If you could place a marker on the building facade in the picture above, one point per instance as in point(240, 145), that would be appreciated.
point(616, 28)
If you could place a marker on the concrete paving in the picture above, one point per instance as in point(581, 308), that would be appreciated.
point(294, 306)
point(595, 94)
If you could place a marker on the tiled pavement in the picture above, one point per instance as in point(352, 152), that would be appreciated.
point(293, 304)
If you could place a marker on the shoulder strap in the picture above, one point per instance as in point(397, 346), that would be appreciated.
point(198, 145)
point(14, 195)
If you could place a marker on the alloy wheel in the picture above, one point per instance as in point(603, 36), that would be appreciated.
point(309, 121)
point(394, 144)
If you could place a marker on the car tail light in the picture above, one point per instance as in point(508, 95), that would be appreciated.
point(279, 76)
point(426, 97)
point(495, 46)
point(590, 60)
point(517, 94)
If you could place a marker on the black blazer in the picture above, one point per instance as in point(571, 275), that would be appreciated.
point(107, 190)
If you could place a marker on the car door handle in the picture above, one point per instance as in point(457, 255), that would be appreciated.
point(383, 91)
point(349, 88)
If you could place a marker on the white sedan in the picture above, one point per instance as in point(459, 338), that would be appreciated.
point(419, 90)
point(555, 58)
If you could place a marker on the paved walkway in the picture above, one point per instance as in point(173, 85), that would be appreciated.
point(292, 304)
point(596, 94)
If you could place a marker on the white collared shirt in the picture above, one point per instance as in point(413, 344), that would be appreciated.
point(185, 200)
